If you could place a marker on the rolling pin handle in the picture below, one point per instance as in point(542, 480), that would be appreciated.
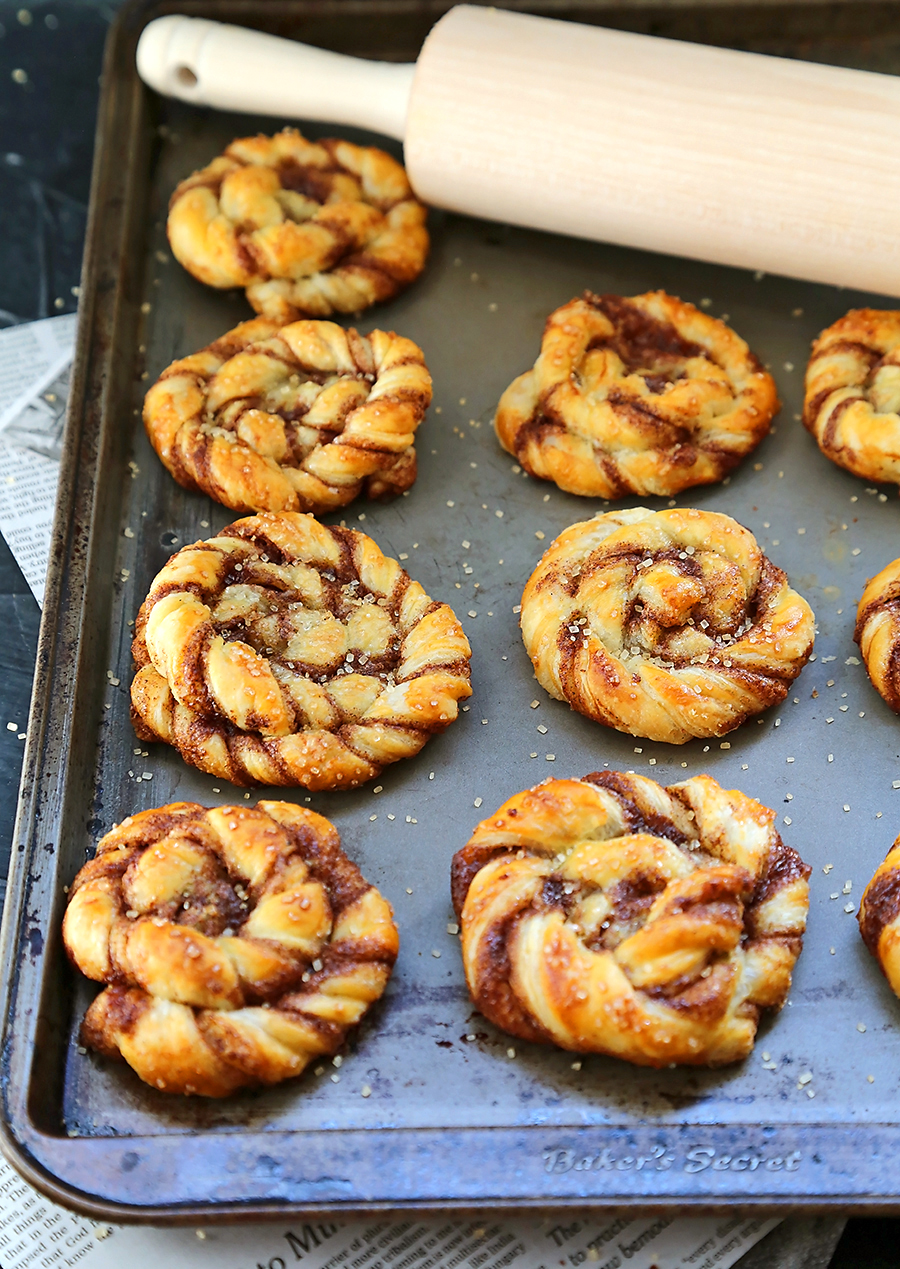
point(233, 68)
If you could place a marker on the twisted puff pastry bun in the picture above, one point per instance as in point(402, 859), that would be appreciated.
point(852, 399)
point(611, 915)
point(239, 944)
point(878, 632)
point(286, 652)
point(879, 917)
point(666, 624)
point(298, 418)
point(309, 228)
point(636, 396)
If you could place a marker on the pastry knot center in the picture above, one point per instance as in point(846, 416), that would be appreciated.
point(668, 595)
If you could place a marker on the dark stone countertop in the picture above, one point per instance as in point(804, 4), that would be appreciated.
point(50, 59)
point(46, 143)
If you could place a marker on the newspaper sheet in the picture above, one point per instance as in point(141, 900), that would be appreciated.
point(34, 387)
point(36, 1234)
point(31, 357)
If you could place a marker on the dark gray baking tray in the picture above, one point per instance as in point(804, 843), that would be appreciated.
point(452, 1120)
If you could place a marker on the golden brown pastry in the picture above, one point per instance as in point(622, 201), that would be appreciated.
point(611, 915)
point(878, 632)
point(286, 652)
point(646, 395)
point(310, 228)
point(852, 399)
point(302, 417)
point(879, 917)
point(239, 944)
point(666, 624)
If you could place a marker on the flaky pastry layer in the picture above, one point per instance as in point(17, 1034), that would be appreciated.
point(284, 651)
point(309, 228)
point(878, 632)
point(303, 417)
point(879, 917)
point(646, 395)
point(611, 915)
point(238, 943)
point(852, 393)
point(667, 624)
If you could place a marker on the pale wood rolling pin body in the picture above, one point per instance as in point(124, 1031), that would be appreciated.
point(738, 158)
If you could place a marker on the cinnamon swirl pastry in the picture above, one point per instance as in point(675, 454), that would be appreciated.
point(666, 624)
point(286, 652)
point(879, 917)
point(302, 417)
point(646, 395)
point(852, 399)
point(238, 943)
point(611, 915)
point(878, 632)
point(309, 228)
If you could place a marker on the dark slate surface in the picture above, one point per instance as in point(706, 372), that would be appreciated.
point(46, 138)
point(46, 141)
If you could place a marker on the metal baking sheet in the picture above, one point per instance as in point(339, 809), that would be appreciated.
point(452, 1120)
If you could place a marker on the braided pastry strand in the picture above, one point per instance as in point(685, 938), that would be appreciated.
point(309, 228)
point(851, 402)
point(612, 915)
point(878, 632)
point(879, 917)
point(666, 624)
point(238, 944)
point(646, 395)
point(284, 651)
point(295, 418)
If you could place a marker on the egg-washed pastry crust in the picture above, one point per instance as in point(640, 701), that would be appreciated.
point(310, 228)
point(239, 944)
point(878, 632)
point(303, 417)
point(879, 917)
point(666, 624)
point(286, 652)
point(612, 915)
point(646, 395)
point(852, 394)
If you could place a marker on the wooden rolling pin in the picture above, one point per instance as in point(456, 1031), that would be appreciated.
point(732, 157)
